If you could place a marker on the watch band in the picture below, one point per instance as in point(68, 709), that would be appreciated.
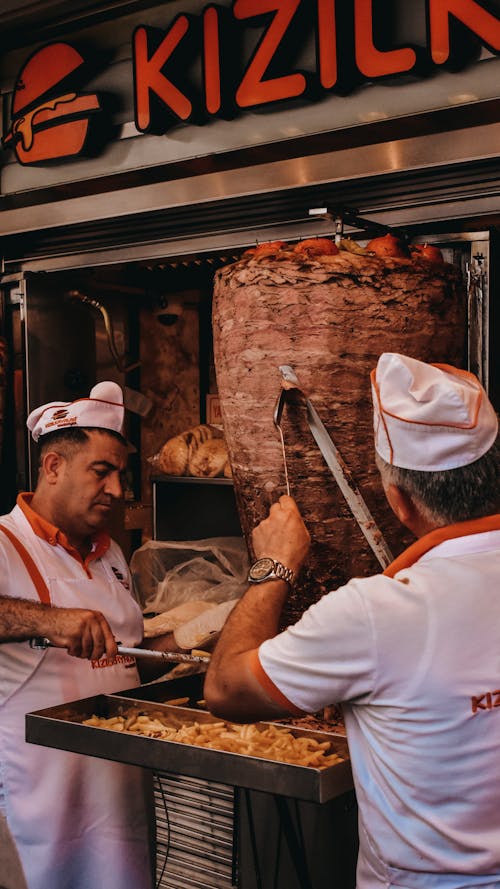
point(284, 573)
point(269, 569)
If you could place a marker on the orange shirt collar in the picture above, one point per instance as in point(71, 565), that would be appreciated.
point(461, 529)
point(53, 535)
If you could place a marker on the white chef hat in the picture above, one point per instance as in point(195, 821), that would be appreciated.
point(103, 409)
point(429, 416)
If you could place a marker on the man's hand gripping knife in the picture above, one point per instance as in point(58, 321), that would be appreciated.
point(84, 633)
point(231, 689)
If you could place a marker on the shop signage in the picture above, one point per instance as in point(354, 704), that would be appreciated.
point(352, 45)
point(53, 119)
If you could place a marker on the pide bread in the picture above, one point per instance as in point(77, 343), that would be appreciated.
point(205, 628)
point(209, 459)
point(177, 454)
point(173, 457)
point(170, 620)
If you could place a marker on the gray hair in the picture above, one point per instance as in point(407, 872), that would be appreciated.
point(451, 495)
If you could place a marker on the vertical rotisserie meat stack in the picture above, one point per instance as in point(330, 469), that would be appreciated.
point(329, 316)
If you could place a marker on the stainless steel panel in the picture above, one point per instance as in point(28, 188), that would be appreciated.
point(61, 727)
point(440, 149)
point(164, 690)
point(60, 351)
point(236, 239)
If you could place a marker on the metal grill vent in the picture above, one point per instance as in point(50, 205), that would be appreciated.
point(195, 833)
point(405, 193)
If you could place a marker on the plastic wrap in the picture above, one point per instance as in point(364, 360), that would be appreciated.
point(168, 573)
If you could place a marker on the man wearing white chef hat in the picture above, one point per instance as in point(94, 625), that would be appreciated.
point(411, 654)
point(103, 409)
point(70, 815)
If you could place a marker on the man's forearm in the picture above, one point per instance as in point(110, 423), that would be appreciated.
point(20, 619)
point(255, 618)
point(230, 688)
point(82, 632)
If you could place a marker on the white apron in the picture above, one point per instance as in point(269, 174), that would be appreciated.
point(78, 822)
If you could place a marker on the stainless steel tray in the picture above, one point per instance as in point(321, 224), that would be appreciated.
point(162, 691)
point(61, 727)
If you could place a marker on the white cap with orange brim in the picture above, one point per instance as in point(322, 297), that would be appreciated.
point(103, 409)
point(429, 417)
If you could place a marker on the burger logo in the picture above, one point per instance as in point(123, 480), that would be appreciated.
point(60, 415)
point(51, 119)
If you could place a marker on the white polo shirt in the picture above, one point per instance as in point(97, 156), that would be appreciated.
point(69, 814)
point(415, 660)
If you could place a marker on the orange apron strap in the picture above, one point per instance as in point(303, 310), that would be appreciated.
point(38, 581)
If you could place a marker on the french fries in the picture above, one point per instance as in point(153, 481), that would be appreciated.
point(270, 742)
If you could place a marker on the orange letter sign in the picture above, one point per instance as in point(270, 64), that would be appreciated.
point(253, 90)
point(327, 43)
point(371, 61)
point(211, 59)
point(155, 95)
point(483, 25)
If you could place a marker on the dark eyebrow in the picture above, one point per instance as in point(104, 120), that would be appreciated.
point(105, 464)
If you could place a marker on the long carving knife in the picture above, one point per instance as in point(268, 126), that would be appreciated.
point(338, 468)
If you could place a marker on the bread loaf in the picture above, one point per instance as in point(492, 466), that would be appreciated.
point(205, 628)
point(175, 617)
point(209, 459)
point(174, 457)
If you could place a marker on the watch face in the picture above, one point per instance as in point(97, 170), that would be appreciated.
point(261, 569)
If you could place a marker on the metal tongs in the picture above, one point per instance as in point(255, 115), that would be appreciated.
point(178, 657)
point(335, 463)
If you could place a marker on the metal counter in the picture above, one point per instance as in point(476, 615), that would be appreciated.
point(61, 727)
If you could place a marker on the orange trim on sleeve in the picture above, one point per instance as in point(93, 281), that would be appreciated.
point(268, 685)
point(461, 529)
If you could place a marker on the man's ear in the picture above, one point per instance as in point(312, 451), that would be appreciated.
point(401, 504)
point(52, 466)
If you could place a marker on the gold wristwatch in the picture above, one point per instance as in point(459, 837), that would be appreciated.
point(269, 569)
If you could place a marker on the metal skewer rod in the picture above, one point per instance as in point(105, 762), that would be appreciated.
point(176, 656)
point(277, 415)
point(40, 643)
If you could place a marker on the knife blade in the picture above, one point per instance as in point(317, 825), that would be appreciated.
point(337, 467)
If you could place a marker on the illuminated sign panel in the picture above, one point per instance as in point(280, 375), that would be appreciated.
point(51, 118)
point(354, 43)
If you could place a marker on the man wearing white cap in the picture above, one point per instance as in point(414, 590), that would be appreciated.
point(77, 821)
point(412, 654)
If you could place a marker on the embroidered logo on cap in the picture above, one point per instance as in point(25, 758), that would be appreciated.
point(59, 420)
